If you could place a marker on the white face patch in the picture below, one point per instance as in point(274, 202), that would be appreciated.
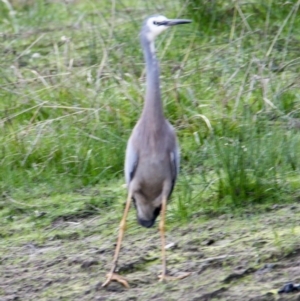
point(155, 30)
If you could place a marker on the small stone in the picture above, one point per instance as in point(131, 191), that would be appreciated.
point(289, 288)
point(171, 246)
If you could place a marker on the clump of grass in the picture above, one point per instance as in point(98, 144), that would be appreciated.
point(249, 157)
point(72, 87)
point(219, 15)
point(250, 169)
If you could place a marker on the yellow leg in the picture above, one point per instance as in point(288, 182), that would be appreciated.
point(112, 276)
point(164, 275)
point(162, 236)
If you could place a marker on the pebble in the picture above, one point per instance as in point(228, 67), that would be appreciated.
point(289, 288)
point(171, 246)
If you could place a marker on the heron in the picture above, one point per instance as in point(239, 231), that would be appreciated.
point(152, 153)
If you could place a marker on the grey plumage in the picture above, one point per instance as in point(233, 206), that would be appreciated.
point(152, 154)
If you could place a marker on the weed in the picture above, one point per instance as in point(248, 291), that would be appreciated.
point(72, 86)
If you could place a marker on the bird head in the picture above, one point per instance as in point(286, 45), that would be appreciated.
point(155, 25)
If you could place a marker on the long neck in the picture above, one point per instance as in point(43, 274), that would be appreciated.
point(152, 111)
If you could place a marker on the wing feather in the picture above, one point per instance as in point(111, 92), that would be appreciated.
point(175, 164)
point(131, 161)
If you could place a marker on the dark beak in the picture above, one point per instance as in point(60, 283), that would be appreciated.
point(173, 22)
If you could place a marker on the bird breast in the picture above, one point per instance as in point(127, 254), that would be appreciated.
point(152, 172)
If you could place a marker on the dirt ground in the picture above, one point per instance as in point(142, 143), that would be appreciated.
point(230, 258)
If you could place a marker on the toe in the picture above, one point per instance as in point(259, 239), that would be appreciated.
point(115, 277)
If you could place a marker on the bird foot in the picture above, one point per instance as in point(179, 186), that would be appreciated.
point(115, 277)
point(165, 277)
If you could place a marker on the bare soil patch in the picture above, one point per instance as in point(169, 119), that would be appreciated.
point(247, 258)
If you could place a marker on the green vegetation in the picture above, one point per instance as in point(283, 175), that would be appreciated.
point(71, 88)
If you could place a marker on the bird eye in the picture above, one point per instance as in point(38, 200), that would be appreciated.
point(155, 23)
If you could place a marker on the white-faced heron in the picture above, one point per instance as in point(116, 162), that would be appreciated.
point(152, 154)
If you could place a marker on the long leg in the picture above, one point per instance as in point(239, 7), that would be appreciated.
point(164, 275)
point(112, 275)
point(162, 236)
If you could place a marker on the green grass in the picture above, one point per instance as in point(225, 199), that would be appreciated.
point(71, 89)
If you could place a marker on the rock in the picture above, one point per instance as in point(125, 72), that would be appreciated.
point(171, 246)
point(289, 288)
